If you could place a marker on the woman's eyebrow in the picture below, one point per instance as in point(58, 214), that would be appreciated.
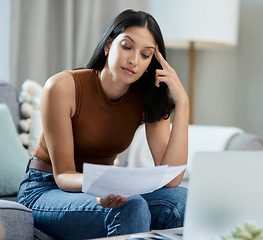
point(126, 36)
point(130, 38)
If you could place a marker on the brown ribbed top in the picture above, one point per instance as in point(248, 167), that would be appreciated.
point(101, 128)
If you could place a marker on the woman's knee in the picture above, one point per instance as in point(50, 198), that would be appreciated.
point(176, 197)
point(137, 207)
point(134, 216)
point(179, 199)
point(167, 206)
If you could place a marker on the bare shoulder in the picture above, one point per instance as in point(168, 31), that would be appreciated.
point(61, 82)
point(60, 88)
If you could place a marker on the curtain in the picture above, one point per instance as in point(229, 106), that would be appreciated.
point(50, 36)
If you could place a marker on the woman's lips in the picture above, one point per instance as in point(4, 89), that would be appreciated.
point(128, 71)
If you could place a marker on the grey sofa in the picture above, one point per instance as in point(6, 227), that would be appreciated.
point(16, 221)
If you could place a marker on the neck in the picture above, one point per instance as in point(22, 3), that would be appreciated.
point(113, 89)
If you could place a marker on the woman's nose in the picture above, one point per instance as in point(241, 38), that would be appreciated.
point(133, 59)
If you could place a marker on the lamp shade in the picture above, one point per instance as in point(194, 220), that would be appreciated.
point(208, 23)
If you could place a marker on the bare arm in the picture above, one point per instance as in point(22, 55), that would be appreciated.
point(57, 109)
point(170, 147)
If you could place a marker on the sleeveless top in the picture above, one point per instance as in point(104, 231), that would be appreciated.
point(101, 128)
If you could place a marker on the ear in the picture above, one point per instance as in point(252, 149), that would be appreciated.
point(107, 45)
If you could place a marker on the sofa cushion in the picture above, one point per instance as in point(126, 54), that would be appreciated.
point(16, 221)
point(13, 157)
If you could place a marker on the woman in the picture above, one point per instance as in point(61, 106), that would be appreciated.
point(91, 115)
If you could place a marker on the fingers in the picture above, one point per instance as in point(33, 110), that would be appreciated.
point(159, 77)
point(111, 201)
point(105, 202)
point(161, 59)
point(98, 200)
point(169, 76)
point(162, 74)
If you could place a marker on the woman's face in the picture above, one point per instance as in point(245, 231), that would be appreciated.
point(130, 54)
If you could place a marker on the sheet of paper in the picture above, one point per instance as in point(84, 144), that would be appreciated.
point(101, 180)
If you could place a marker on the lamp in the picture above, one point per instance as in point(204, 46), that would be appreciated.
point(196, 24)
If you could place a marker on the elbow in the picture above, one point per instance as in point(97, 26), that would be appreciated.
point(61, 182)
point(173, 184)
point(69, 182)
point(176, 181)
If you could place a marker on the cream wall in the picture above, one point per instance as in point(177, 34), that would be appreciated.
point(229, 83)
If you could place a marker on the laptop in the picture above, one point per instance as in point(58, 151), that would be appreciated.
point(225, 190)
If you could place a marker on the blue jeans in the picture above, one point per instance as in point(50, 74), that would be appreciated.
point(68, 215)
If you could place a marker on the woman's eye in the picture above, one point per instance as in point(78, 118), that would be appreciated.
point(125, 46)
point(145, 55)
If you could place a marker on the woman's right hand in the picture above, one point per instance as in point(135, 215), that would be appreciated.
point(111, 201)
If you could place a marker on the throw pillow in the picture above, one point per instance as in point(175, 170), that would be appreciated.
point(29, 98)
point(13, 157)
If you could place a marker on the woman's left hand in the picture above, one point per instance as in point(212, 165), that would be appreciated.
point(169, 76)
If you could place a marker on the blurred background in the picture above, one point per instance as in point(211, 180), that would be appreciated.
point(43, 37)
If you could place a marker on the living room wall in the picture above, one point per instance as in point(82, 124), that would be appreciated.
point(229, 83)
point(51, 36)
point(229, 86)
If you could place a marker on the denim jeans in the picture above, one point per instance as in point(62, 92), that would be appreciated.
point(68, 215)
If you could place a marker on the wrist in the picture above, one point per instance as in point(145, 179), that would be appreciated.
point(181, 99)
point(182, 102)
point(181, 111)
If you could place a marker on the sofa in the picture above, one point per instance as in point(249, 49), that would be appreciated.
point(16, 221)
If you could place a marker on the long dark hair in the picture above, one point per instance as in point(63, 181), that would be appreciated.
point(157, 102)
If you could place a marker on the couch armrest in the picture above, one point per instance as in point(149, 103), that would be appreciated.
point(245, 142)
point(17, 221)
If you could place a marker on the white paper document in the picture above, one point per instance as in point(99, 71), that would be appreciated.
point(103, 180)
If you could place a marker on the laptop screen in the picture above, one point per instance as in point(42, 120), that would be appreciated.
point(225, 190)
